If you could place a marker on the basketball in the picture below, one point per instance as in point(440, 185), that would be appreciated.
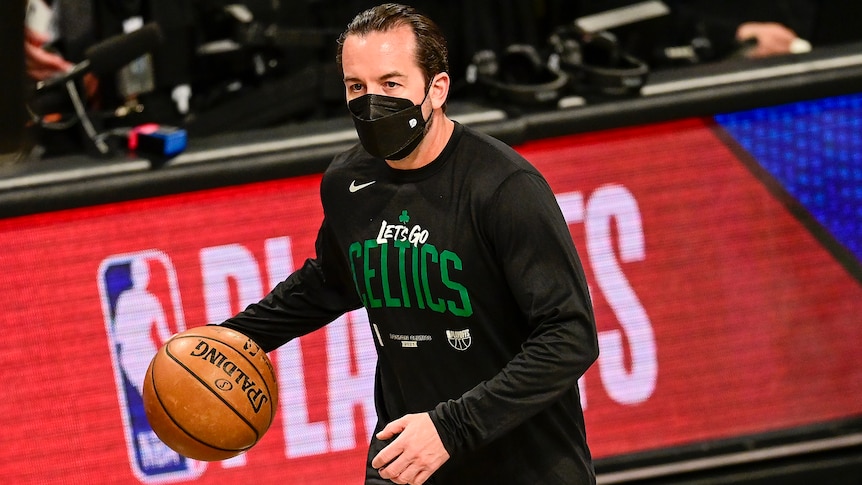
point(210, 393)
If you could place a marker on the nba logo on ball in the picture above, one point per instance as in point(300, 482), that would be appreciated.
point(142, 308)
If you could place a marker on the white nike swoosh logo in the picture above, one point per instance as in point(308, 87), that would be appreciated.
point(355, 188)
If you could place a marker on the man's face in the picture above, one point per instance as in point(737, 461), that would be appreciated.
point(383, 63)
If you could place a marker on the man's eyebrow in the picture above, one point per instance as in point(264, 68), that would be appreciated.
point(391, 75)
point(385, 77)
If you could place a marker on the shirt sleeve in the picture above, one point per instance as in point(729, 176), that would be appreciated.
point(535, 248)
point(311, 297)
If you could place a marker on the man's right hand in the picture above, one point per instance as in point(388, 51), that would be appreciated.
point(772, 38)
point(41, 64)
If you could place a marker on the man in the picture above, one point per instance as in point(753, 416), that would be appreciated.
point(455, 246)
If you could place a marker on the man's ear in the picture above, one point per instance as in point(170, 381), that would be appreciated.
point(439, 91)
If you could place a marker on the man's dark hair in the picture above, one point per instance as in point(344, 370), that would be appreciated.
point(431, 53)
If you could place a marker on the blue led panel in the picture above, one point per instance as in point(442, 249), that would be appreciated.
point(814, 150)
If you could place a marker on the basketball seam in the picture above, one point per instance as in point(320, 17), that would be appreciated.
point(258, 434)
point(177, 424)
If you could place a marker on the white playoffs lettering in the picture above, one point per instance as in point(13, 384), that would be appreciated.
point(609, 207)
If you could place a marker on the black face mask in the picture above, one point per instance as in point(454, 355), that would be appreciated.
point(388, 127)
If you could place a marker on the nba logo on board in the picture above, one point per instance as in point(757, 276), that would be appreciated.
point(142, 309)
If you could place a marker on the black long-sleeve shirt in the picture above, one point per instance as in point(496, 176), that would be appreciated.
point(477, 300)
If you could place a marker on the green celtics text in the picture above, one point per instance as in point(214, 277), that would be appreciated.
point(397, 274)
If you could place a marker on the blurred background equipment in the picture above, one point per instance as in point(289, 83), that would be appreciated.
point(221, 67)
point(260, 65)
point(597, 64)
point(519, 76)
point(110, 55)
point(104, 58)
point(12, 112)
point(637, 29)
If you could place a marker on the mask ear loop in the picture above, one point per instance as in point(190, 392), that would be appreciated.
point(431, 114)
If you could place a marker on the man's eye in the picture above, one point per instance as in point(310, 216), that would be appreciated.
point(356, 87)
point(391, 84)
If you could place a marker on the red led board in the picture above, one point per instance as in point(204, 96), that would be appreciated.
point(719, 315)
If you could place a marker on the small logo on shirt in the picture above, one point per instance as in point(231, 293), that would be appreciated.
point(354, 187)
point(459, 339)
point(409, 341)
point(415, 235)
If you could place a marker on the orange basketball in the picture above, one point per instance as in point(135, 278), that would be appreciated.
point(210, 393)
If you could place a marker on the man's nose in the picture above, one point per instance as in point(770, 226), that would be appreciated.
point(374, 90)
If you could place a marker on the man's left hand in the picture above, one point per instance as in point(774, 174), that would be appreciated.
point(415, 454)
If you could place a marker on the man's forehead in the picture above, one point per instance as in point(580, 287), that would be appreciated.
point(399, 38)
point(386, 54)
